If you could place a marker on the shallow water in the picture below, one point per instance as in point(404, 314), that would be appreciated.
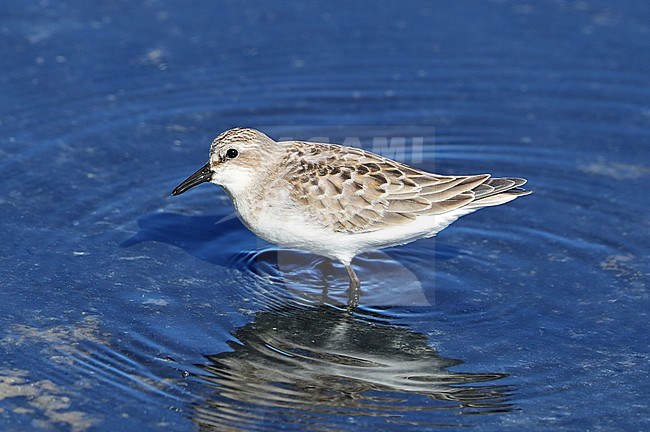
point(128, 309)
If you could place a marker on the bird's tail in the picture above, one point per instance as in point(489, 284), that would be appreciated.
point(496, 191)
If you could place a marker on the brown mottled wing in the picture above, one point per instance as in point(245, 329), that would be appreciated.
point(350, 190)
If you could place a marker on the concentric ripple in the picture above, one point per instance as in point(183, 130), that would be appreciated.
point(127, 309)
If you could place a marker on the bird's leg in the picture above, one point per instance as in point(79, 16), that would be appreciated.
point(354, 291)
point(325, 270)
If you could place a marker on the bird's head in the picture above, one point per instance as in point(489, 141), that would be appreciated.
point(236, 157)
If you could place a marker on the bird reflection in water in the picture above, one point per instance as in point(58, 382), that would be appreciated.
point(324, 368)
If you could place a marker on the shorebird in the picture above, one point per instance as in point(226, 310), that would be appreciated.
point(339, 201)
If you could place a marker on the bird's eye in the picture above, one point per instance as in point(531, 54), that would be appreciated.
point(232, 153)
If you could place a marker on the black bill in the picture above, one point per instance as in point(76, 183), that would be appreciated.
point(201, 176)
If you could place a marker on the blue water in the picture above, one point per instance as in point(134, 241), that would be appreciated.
point(124, 308)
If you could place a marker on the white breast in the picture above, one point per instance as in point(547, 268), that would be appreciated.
point(281, 222)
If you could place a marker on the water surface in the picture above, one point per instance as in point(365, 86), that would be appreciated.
point(127, 309)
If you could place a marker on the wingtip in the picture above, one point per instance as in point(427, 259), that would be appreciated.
point(518, 181)
point(520, 192)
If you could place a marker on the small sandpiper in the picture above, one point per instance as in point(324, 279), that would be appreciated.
point(339, 201)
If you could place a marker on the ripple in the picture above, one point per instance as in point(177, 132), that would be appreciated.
point(198, 316)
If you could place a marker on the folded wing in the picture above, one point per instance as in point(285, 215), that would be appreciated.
point(353, 191)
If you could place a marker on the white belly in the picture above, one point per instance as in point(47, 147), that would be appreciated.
point(288, 227)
